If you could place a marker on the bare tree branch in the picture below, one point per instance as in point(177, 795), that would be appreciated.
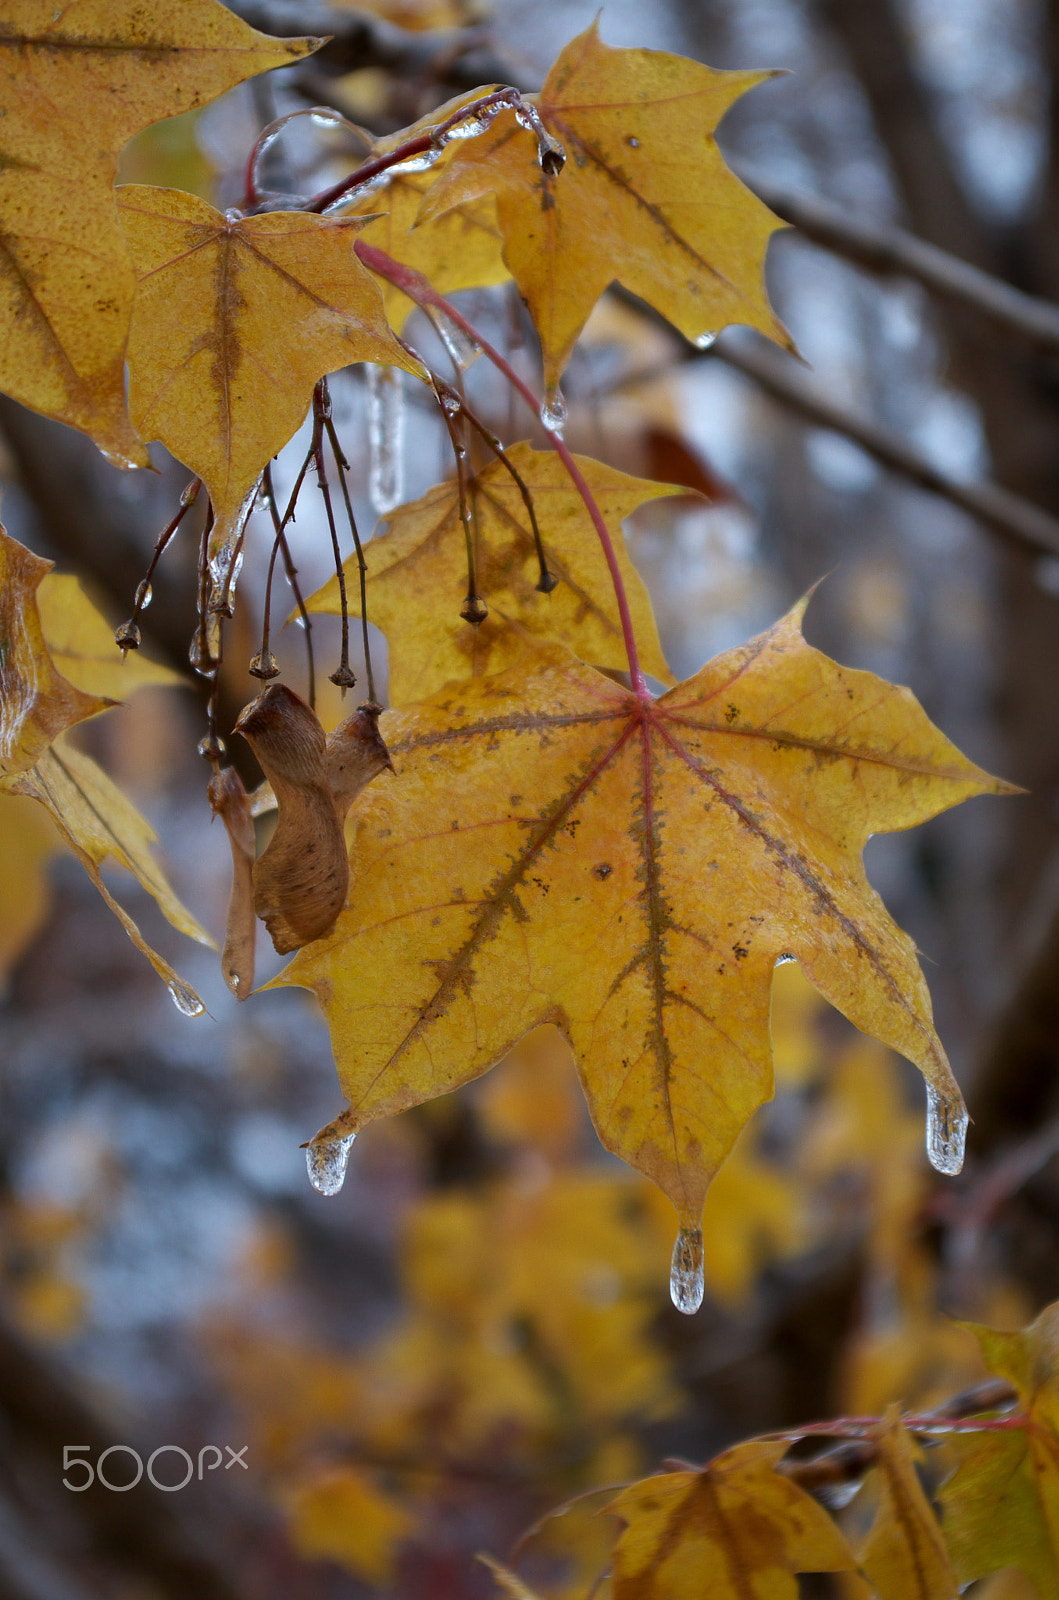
point(1007, 514)
point(883, 248)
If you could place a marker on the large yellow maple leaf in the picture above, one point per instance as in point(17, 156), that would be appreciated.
point(645, 197)
point(417, 574)
point(1001, 1505)
point(77, 80)
point(556, 848)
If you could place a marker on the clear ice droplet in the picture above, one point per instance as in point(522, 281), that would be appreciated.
point(327, 1160)
point(385, 438)
point(686, 1276)
point(185, 999)
point(553, 412)
point(705, 340)
point(946, 1131)
point(144, 596)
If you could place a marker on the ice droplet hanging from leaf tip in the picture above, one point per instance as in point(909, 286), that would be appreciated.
point(946, 1131)
point(553, 412)
point(326, 1161)
point(185, 999)
point(686, 1275)
point(705, 340)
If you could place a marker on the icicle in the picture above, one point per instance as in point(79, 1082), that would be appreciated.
point(946, 1131)
point(553, 412)
point(460, 346)
point(686, 1277)
point(327, 1160)
point(385, 437)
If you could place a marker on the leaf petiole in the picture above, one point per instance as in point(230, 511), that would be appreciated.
point(416, 287)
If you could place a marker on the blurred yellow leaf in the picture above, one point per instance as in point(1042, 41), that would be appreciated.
point(76, 81)
point(904, 1555)
point(81, 643)
point(644, 198)
point(341, 1516)
point(533, 1098)
point(417, 575)
point(97, 821)
point(27, 839)
point(734, 1530)
point(36, 701)
point(1001, 1505)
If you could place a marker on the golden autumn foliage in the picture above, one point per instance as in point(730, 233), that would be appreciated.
point(532, 861)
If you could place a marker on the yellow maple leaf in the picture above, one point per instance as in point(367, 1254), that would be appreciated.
point(80, 642)
point(645, 197)
point(36, 705)
point(460, 249)
point(235, 320)
point(36, 701)
point(737, 1528)
point(76, 82)
point(1001, 1505)
point(27, 839)
point(903, 1554)
point(340, 1515)
point(632, 870)
point(417, 575)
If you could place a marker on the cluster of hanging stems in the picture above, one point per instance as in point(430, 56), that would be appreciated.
point(206, 653)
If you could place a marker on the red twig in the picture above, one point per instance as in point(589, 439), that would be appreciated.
point(416, 287)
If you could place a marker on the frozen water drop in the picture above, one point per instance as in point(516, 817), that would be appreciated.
point(553, 412)
point(263, 665)
point(785, 959)
point(184, 998)
point(127, 636)
point(324, 117)
point(946, 1131)
point(327, 1160)
point(144, 596)
point(461, 347)
point(385, 438)
point(705, 340)
point(686, 1276)
point(211, 748)
point(633, 143)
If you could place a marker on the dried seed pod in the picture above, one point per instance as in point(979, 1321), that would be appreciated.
point(230, 802)
point(356, 753)
point(301, 879)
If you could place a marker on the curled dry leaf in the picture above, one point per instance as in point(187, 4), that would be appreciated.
point(301, 880)
point(229, 801)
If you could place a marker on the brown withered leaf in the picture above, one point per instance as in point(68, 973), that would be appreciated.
point(229, 801)
point(645, 197)
point(735, 1529)
point(417, 575)
point(236, 318)
point(76, 82)
point(555, 849)
point(300, 881)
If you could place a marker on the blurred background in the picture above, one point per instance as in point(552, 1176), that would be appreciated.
point(478, 1327)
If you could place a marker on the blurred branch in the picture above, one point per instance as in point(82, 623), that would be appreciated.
point(875, 42)
point(883, 248)
point(1007, 514)
point(177, 1550)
